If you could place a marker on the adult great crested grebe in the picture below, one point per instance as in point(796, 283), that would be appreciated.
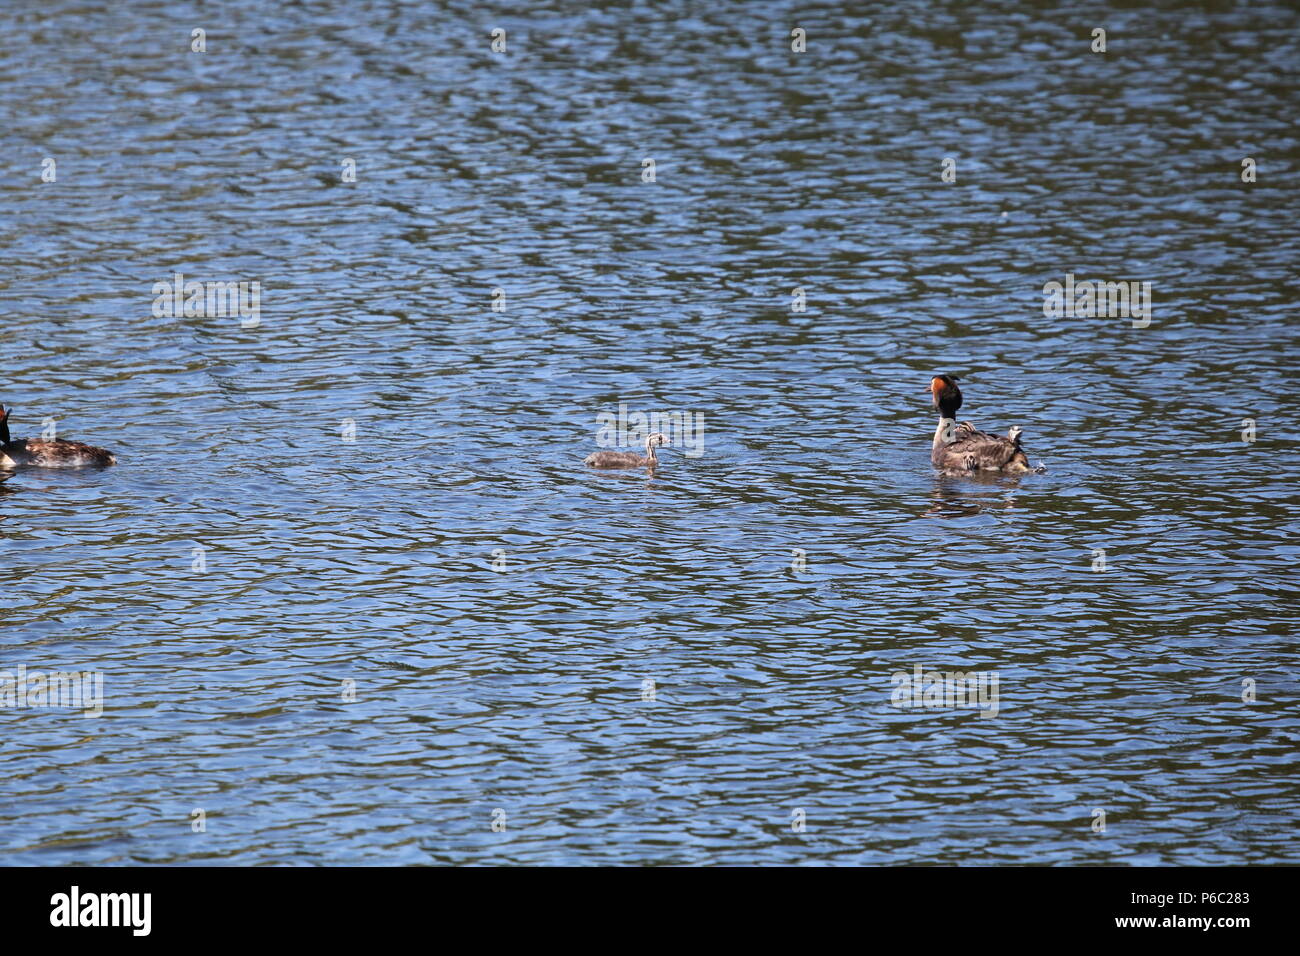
point(963, 449)
point(54, 453)
point(628, 459)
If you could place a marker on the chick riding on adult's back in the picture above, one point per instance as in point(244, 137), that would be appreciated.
point(963, 449)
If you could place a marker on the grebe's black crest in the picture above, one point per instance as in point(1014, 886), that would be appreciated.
point(54, 453)
point(945, 395)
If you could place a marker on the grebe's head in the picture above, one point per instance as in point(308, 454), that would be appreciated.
point(945, 395)
point(4, 425)
point(655, 440)
point(1014, 433)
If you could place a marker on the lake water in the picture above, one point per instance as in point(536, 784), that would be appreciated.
point(372, 651)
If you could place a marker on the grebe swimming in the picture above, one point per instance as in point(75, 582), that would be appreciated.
point(628, 459)
point(38, 453)
point(964, 449)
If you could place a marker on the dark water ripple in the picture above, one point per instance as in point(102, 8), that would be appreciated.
point(521, 688)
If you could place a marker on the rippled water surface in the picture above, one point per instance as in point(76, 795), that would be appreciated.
point(495, 606)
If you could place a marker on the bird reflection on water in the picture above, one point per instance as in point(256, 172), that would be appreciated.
point(972, 495)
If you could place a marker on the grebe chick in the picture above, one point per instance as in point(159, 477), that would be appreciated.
point(964, 449)
point(55, 453)
point(628, 459)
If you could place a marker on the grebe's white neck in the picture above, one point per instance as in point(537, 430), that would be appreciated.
point(944, 434)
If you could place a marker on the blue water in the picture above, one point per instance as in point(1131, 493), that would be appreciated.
point(494, 607)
